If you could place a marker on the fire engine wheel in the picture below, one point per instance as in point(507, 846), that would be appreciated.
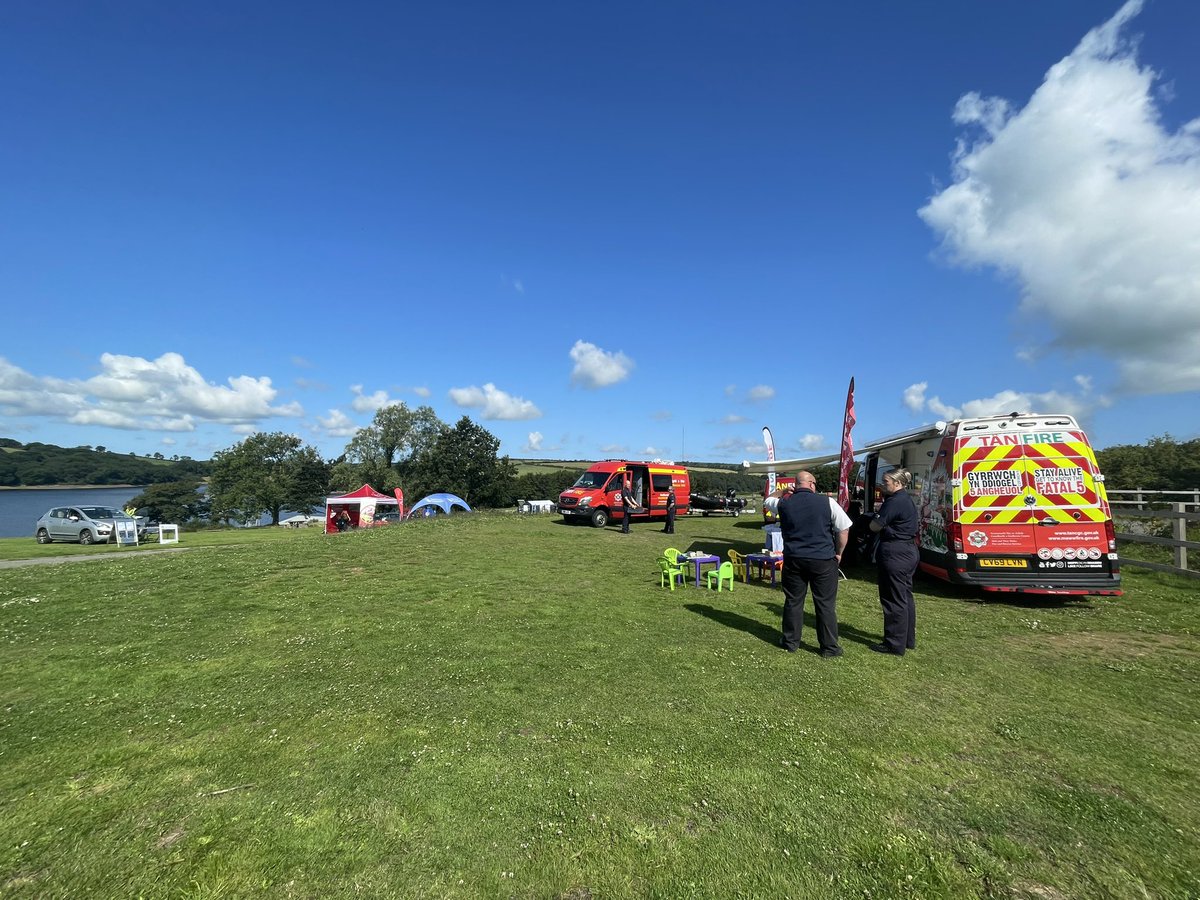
point(599, 518)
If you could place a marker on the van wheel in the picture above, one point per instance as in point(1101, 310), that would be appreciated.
point(599, 518)
point(736, 513)
point(86, 537)
point(43, 536)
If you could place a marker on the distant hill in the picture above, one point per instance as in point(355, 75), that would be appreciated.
point(44, 465)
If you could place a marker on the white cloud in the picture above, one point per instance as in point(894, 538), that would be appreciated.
point(371, 403)
point(494, 403)
point(655, 453)
point(734, 419)
point(914, 396)
point(534, 444)
point(1092, 206)
point(811, 443)
point(164, 394)
point(738, 448)
point(596, 368)
point(1008, 401)
point(421, 391)
point(336, 424)
point(759, 393)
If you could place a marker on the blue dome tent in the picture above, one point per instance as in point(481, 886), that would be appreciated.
point(431, 504)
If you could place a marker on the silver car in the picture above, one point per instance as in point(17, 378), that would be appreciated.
point(85, 524)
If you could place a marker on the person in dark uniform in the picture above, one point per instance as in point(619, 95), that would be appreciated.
point(897, 557)
point(669, 528)
point(628, 505)
point(815, 530)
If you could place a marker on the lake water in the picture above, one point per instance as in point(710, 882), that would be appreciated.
point(20, 508)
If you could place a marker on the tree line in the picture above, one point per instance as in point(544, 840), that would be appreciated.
point(37, 465)
point(412, 449)
point(269, 473)
point(1161, 464)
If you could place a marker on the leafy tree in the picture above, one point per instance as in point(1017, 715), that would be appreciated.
point(464, 462)
point(1162, 464)
point(176, 501)
point(541, 485)
point(266, 473)
point(386, 453)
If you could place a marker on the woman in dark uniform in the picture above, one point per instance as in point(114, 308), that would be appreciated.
point(897, 558)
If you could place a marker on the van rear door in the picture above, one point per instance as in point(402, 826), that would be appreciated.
point(1068, 506)
point(1031, 503)
point(992, 506)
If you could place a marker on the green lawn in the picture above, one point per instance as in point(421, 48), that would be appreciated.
point(496, 706)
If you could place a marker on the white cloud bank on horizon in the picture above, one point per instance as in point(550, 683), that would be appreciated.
point(494, 403)
point(1002, 403)
point(132, 393)
point(596, 368)
point(1092, 206)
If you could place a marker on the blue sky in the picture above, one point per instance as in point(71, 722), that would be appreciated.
point(629, 229)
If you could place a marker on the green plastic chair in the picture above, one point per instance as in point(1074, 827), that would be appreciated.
point(670, 571)
point(723, 574)
point(672, 554)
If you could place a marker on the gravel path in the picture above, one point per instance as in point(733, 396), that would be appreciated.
point(89, 557)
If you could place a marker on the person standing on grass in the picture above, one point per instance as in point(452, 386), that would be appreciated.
point(628, 505)
point(897, 557)
point(669, 528)
point(815, 530)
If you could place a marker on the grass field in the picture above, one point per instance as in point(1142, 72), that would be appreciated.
point(495, 706)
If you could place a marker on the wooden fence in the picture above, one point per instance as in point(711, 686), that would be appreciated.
point(1137, 505)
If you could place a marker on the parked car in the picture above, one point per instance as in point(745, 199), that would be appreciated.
point(85, 524)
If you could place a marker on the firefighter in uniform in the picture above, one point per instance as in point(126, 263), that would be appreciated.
point(815, 530)
point(897, 557)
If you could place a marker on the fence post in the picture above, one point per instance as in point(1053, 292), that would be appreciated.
point(1179, 528)
point(1139, 498)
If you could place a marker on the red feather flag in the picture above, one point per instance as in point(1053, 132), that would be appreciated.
point(847, 462)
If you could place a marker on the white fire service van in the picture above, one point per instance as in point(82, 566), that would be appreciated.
point(1007, 503)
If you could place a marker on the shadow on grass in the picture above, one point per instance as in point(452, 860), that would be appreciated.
point(752, 627)
point(845, 632)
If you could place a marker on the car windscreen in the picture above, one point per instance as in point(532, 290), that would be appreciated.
point(100, 512)
point(591, 480)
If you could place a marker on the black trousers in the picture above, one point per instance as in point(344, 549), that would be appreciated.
point(798, 576)
point(625, 519)
point(670, 526)
point(897, 562)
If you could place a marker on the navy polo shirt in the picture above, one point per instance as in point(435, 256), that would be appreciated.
point(898, 516)
point(806, 521)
